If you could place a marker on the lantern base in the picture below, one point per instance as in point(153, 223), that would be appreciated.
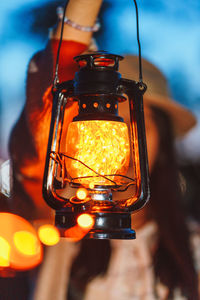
point(106, 225)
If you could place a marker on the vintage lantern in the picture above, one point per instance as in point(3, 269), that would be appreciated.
point(98, 166)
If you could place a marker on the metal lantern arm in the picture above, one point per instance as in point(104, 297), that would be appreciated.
point(60, 95)
point(134, 91)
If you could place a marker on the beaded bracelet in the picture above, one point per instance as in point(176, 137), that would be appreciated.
point(75, 25)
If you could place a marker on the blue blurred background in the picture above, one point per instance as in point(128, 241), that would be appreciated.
point(170, 38)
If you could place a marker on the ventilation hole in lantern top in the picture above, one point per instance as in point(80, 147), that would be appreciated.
point(84, 105)
point(82, 63)
point(104, 62)
point(95, 104)
point(108, 105)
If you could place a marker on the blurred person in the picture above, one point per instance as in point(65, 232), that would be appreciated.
point(159, 264)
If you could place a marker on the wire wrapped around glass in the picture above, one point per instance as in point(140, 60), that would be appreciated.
point(96, 159)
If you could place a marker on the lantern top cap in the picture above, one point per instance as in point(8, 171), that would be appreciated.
point(99, 59)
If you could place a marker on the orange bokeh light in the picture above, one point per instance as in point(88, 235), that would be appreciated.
point(91, 185)
point(79, 231)
point(4, 253)
point(81, 193)
point(101, 145)
point(85, 221)
point(26, 242)
point(16, 233)
point(48, 234)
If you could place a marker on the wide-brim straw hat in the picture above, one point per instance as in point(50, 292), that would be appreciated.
point(158, 93)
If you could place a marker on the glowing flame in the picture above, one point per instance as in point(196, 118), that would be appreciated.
point(26, 242)
point(101, 145)
point(48, 235)
point(4, 253)
point(85, 221)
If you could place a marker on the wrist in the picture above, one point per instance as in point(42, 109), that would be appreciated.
point(83, 12)
point(75, 25)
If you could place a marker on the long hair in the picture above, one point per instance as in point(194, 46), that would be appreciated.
point(190, 173)
point(173, 264)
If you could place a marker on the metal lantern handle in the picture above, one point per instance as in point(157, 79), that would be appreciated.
point(60, 95)
point(134, 91)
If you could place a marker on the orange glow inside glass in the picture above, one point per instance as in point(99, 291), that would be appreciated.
point(48, 235)
point(85, 221)
point(101, 145)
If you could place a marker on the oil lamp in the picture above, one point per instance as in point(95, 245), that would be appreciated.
point(98, 166)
